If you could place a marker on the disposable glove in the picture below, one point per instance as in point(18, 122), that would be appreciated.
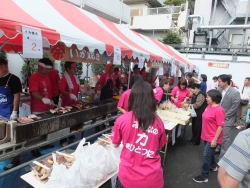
point(46, 101)
point(13, 115)
point(72, 97)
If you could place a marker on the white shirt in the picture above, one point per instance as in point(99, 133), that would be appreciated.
point(212, 85)
point(223, 93)
point(246, 93)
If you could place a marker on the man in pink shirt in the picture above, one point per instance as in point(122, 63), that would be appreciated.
point(122, 105)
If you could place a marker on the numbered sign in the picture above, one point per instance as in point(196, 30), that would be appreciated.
point(32, 42)
point(141, 62)
point(117, 55)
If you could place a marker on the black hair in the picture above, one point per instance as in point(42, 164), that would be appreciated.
point(215, 78)
point(143, 104)
point(46, 61)
point(135, 79)
point(225, 78)
point(164, 81)
point(204, 77)
point(116, 69)
point(215, 95)
point(183, 82)
point(194, 85)
point(136, 67)
point(67, 65)
point(3, 61)
point(248, 78)
point(189, 74)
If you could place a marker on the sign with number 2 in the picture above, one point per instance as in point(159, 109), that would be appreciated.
point(32, 42)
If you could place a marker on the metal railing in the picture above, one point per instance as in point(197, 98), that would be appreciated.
point(157, 11)
point(231, 48)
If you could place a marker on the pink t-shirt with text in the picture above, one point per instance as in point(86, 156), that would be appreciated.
point(212, 118)
point(180, 95)
point(123, 102)
point(140, 164)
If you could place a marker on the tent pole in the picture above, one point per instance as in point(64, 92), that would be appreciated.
point(129, 72)
point(87, 72)
point(4, 43)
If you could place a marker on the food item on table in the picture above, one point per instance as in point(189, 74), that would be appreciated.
point(168, 106)
point(68, 108)
point(32, 116)
point(104, 141)
point(60, 110)
point(78, 106)
point(86, 106)
point(41, 170)
point(24, 120)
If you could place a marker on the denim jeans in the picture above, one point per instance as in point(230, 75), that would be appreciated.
point(208, 159)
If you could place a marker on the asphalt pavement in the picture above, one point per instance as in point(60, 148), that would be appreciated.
point(184, 162)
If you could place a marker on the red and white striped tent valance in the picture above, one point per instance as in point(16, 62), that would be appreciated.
point(63, 22)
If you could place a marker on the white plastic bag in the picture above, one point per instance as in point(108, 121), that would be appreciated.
point(191, 110)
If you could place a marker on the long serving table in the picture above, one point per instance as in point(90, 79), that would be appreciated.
point(30, 180)
point(171, 121)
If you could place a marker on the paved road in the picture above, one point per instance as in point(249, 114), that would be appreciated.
point(184, 162)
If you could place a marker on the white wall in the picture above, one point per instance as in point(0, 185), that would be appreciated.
point(202, 7)
point(152, 22)
point(239, 69)
point(138, 6)
point(109, 7)
point(152, 34)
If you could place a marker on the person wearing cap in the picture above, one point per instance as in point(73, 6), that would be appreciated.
point(69, 85)
point(54, 79)
point(122, 105)
point(107, 83)
point(40, 87)
point(10, 89)
point(158, 93)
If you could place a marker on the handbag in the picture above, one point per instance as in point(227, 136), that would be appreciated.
point(191, 110)
point(243, 102)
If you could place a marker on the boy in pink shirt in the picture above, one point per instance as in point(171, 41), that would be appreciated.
point(142, 133)
point(212, 133)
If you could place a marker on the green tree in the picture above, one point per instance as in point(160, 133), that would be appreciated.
point(78, 69)
point(26, 72)
point(3, 54)
point(191, 3)
point(171, 37)
point(98, 68)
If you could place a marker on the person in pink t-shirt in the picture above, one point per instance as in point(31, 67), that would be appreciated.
point(122, 105)
point(180, 93)
point(142, 134)
point(212, 133)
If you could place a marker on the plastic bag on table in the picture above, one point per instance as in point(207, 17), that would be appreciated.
point(191, 110)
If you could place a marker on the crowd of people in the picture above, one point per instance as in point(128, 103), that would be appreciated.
point(218, 105)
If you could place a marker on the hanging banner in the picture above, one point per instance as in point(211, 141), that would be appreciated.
point(218, 65)
point(32, 42)
point(160, 71)
point(141, 62)
point(61, 52)
point(117, 55)
point(155, 64)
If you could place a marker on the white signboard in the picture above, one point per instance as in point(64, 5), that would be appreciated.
point(117, 55)
point(32, 42)
point(141, 62)
point(160, 71)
